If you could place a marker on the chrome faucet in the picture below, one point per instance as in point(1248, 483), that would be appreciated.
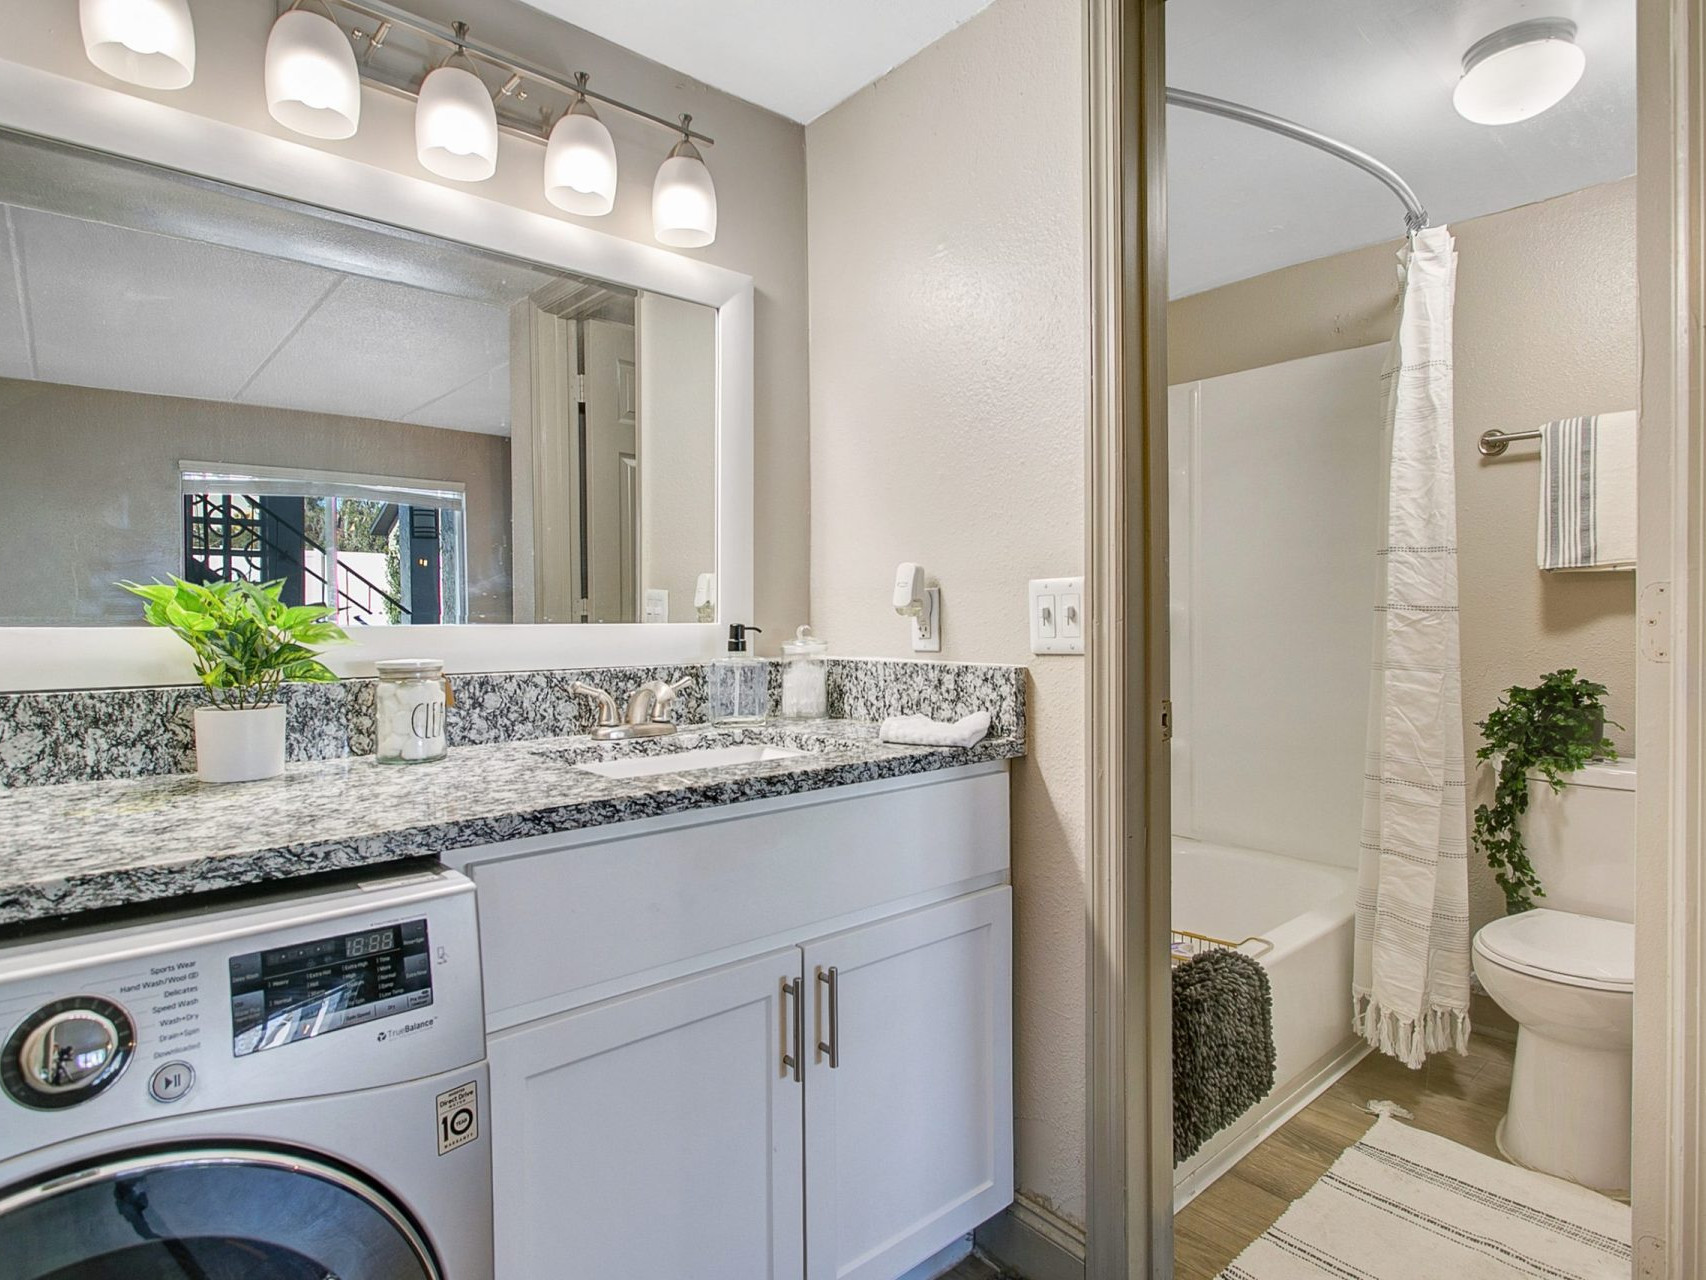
point(648, 710)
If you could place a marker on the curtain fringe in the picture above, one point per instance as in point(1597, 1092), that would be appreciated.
point(1406, 1037)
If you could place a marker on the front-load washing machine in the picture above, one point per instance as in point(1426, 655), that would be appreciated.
point(286, 1089)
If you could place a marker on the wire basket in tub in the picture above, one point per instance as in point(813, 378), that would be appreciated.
point(1187, 945)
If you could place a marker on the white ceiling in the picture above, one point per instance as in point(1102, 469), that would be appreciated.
point(1377, 74)
point(95, 305)
point(799, 58)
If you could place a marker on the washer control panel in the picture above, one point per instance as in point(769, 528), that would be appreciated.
point(295, 995)
point(308, 989)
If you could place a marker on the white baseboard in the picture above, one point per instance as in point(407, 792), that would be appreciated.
point(1244, 1139)
point(1035, 1242)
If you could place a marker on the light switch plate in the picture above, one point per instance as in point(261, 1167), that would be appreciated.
point(657, 604)
point(1057, 615)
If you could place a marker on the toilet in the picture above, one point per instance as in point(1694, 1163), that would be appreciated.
point(1566, 973)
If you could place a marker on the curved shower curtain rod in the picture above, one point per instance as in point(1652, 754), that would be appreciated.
point(1415, 216)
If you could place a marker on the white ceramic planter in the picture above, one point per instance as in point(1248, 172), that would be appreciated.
point(239, 746)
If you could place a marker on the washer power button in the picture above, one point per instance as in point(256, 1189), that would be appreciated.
point(171, 1081)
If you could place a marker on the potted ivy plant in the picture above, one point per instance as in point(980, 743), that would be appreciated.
point(1553, 729)
point(247, 643)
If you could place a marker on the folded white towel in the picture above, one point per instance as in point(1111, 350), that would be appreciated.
point(922, 731)
point(1587, 492)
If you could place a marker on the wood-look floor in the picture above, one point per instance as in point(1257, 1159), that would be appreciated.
point(976, 1268)
point(1461, 1098)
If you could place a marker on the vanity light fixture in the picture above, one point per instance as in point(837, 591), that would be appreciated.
point(580, 159)
point(456, 126)
point(684, 199)
point(145, 42)
point(1519, 71)
point(321, 52)
point(313, 85)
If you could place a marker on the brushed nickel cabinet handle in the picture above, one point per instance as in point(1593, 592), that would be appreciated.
point(795, 1061)
point(831, 978)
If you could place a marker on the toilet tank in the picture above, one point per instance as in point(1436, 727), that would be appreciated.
point(1582, 840)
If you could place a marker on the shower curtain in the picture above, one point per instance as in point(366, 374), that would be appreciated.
point(1411, 982)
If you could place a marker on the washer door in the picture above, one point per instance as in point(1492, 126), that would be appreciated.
point(209, 1213)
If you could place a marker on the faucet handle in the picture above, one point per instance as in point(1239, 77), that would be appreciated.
point(652, 700)
point(608, 716)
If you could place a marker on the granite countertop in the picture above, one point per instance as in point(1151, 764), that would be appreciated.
point(84, 846)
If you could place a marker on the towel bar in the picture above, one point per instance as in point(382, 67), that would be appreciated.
point(1493, 443)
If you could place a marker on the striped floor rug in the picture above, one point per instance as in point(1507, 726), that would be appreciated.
point(1406, 1205)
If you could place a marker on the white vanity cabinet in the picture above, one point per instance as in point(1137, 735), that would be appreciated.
point(651, 1133)
point(771, 1040)
point(909, 1130)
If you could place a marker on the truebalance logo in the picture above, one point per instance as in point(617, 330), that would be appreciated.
point(407, 1029)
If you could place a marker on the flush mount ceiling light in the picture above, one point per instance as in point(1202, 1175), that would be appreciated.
point(1519, 71)
point(456, 126)
point(684, 200)
point(313, 85)
point(580, 160)
point(145, 42)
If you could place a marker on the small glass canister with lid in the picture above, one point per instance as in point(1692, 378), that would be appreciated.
point(805, 676)
point(412, 697)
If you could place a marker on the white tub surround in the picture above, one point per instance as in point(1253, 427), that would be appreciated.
point(1304, 913)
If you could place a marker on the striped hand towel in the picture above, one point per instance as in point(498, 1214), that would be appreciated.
point(1587, 492)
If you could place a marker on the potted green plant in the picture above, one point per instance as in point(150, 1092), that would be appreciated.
point(247, 642)
point(1553, 729)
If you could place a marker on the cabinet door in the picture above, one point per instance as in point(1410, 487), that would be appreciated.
point(909, 1135)
point(658, 1134)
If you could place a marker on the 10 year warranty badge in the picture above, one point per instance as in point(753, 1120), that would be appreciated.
point(458, 1117)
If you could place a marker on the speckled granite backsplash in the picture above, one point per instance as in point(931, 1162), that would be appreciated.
point(88, 735)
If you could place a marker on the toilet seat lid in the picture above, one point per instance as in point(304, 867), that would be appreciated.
point(1582, 951)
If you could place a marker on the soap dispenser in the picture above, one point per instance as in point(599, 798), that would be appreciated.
point(739, 691)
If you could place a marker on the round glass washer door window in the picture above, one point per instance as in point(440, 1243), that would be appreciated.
point(208, 1214)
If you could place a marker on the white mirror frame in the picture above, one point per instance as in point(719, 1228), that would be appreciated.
point(102, 119)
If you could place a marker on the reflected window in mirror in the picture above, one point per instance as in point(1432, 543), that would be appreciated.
point(409, 430)
point(377, 552)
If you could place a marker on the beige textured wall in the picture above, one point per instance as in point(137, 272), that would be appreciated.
point(89, 490)
point(949, 369)
point(758, 164)
point(1545, 328)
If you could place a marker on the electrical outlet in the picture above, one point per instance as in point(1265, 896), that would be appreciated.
point(1057, 615)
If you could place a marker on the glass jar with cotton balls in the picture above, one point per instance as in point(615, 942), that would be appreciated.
point(412, 703)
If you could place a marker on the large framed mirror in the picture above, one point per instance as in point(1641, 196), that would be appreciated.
point(438, 416)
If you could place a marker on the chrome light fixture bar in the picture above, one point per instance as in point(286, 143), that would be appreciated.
point(382, 20)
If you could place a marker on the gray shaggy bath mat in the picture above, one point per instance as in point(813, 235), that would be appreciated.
point(1223, 1045)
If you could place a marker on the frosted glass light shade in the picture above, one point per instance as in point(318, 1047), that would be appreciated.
point(313, 86)
point(1519, 71)
point(145, 42)
point(580, 163)
point(456, 126)
point(684, 200)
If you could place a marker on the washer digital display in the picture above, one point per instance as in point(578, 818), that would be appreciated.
point(313, 988)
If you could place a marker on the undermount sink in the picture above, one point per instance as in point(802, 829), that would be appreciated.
point(685, 761)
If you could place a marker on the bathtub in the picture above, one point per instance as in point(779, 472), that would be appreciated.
point(1306, 912)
